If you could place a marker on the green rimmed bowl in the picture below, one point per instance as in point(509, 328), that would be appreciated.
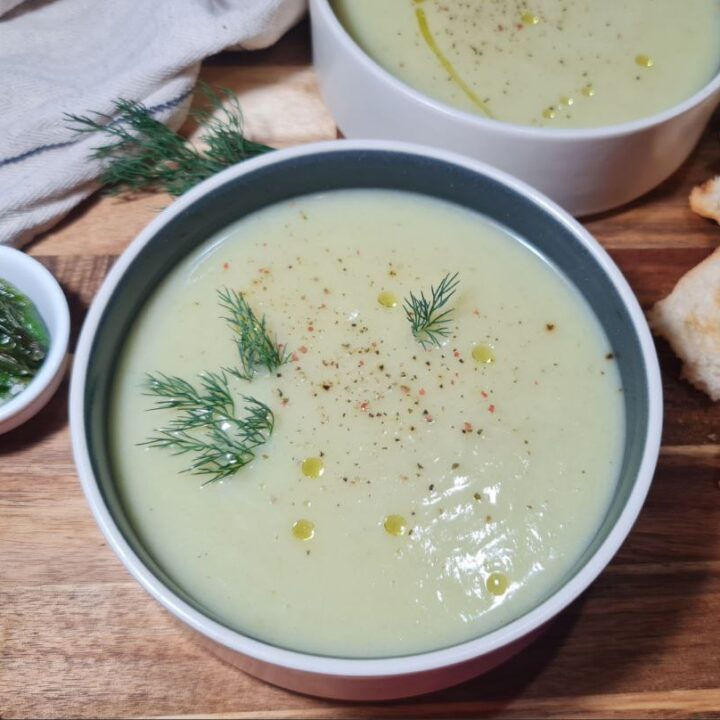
point(287, 174)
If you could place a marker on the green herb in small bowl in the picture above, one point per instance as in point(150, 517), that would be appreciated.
point(24, 341)
point(34, 337)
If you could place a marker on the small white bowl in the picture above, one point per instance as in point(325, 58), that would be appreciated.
point(585, 170)
point(33, 280)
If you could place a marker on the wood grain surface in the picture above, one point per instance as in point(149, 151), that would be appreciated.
point(79, 638)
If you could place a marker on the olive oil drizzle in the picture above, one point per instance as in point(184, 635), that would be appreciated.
point(313, 467)
point(303, 529)
point(430, 41)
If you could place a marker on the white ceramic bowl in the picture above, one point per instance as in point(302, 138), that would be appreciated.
point(278, 177)
point(34, 281)
point(586, 171)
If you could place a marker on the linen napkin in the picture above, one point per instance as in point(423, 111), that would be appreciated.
point(76, 56)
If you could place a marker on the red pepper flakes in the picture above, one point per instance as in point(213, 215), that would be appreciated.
point(467, 427)
point(428, 418)
point(456, 353)
point(422, 391)
point(364, 406)
point(476, 312)
point(361, 363)
point(491, 408)
point(311, 328)
point(226, 266)
point(303, 349)
point(285, 401)
point(294, 357)
point(484, 394)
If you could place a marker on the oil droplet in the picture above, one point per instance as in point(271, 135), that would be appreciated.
point(387, 299)
point(530, 19)
point(395, 525)
point(644, 61)
point(483, 354)
point(313, 467)
point(303, 529)
point(567, 101)
point(497, 583)
point(588, 91)
point(549, 113)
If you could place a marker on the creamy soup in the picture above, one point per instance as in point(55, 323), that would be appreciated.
point(552, 63)
point(412, 494)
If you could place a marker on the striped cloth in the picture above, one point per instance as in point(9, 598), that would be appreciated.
point(76, 56)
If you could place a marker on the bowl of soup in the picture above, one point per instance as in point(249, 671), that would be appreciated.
point(593, 103)
point(365, 415)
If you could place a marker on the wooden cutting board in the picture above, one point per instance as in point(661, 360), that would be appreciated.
point(78, 637)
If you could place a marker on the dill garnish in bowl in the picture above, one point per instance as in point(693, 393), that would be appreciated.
point(427, 318)
point(24, 341)
point(207, 423)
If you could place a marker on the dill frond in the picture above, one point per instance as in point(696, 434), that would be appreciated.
point(143, 154)
point(256, 347)
point(428, 324)
point(207, 426)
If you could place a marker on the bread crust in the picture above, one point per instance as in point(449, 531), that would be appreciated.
point(689, 318)
point(705, 199)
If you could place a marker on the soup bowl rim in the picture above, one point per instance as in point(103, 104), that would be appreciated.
point(517, 130)
point(363, 667)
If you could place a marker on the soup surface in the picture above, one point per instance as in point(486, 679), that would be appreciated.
point(410, 497)
point(553, 63)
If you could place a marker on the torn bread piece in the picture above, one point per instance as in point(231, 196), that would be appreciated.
point(689, 318)
point(705, 199)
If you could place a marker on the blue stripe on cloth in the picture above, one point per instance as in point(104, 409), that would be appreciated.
point(53, 146)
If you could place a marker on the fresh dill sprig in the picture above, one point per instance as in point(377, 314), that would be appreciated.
point(143, 154)
point(429, 325)
point(255, 345)
point(207, 425)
